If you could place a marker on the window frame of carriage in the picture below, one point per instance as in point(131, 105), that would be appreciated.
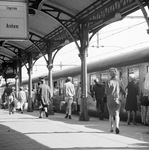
point(134, 70)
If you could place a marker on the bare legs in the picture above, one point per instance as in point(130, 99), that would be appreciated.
point(111, 120)
point(144, 114)
point(133, 117)
point(128, 118)
point(45, 109)
point(117, 120)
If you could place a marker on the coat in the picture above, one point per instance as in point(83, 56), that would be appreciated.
point(45, 94)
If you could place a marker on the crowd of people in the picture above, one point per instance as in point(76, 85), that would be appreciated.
point(108, 93)
point(111, 93)
point(19, 101)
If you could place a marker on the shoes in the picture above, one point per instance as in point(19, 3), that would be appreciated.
point(101, 116)
point(134, 122)
point(22, 112)
point(69, 117)
point(66, 116)
point(40, 117)
point(46, 113)
point(117, 131)
point(146, 124)
point(128, 123)
point(111, 130)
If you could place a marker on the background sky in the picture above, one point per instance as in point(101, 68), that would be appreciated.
point(119, 37)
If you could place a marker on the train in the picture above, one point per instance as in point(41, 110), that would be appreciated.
point(132, 62)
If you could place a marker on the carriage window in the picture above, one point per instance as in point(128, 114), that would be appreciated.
point(147, 69)
point(61, 84)
point(104, 77)
point(76, 81)
point(94, 76)
point(134, 71)
point(46, 82)
point(56, 88)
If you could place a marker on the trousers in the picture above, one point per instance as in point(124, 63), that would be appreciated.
point(69, 101)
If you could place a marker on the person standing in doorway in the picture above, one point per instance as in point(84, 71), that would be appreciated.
point(69, 92)
point(112, 91)
point(45, 95)
point(99, 94)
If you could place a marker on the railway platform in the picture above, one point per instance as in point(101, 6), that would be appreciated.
point(28, 132)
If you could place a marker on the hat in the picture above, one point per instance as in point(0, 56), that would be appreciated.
point(69, 79)
point(21, 87)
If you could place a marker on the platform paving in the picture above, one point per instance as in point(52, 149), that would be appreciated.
point(27, 132)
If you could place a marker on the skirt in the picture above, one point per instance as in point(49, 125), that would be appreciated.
point(113, 105)
point(145, 101)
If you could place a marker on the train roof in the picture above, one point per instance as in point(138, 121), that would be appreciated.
point(129, 58)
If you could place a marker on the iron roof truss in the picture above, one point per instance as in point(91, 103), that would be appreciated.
point(96, 15)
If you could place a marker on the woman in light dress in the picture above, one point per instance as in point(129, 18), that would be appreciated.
point(112, 90)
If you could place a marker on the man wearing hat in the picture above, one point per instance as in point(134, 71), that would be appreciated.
point(69, 92)
point(45, 95)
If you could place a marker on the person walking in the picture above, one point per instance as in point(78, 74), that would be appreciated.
point(14, 103)
point(99, 94)
point(45, 95)
point(69, 92)
point(7, 93)
point(22, 99)
point(132, 91)
point(9, 98)
point(112, 91)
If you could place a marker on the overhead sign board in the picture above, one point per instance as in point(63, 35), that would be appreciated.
point(13, 20)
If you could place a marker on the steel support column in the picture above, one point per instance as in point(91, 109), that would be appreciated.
point(19, 70)
point(17, 85)
point(30, 65)
point(50, 80)
point(144, 13)
point(84, 41)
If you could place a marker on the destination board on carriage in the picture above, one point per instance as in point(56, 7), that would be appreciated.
point(13, 20)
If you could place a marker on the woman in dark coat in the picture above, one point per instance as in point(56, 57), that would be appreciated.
point(131, 100)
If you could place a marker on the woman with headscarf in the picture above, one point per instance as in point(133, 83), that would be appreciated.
point(131, 100)
point(112, 90)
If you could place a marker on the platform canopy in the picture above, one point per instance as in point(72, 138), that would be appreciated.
point(55, 22)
